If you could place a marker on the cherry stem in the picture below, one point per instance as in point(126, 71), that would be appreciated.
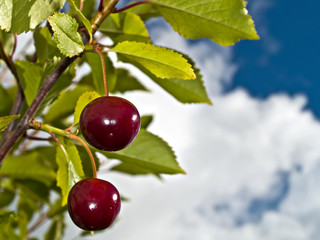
point(81, 5)
point(38, 138)
point(14, 46)
point(104, 70)
point(129, 6)
point(101, 6)
point(93, 163)
point(52, 130)
point(60, 144)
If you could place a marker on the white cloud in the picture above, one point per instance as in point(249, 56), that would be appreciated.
point(252, 164)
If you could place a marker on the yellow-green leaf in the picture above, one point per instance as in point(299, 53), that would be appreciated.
point(83, 100)
point(149, 152)
point(28, 166)
point(84, 20)
point(6, 120)
point(70, 169)
point(65, 32)
point(224, 22)
point(125, 26)
point(162, 62)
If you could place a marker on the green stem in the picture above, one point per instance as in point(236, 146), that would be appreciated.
point(101, 15)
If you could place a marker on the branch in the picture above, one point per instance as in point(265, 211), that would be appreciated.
point(19, 100)
point(130, 6)
point(49, 81)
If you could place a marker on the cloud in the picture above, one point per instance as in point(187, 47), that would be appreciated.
point(252, 164)
point(245, 159)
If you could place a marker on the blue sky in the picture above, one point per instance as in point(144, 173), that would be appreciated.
point(291, 63)
point(253, 159)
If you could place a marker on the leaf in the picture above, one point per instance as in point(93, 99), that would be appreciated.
point(6, 120)
point(63, 82)
point(224, 22)
point(184, 91)
point(149, 152)
point(83, 19)
point(59, 109)
point(70, 169)
point(145, 121)
point(126, 82)
point(7, 216)
point(46, 47)
point(28, 166)
point(125, 26)
point(30, 76)
point(5, 101)
point(94, 61)
point(65, 33)
point(83, 101)
point(145, 11)
point(86, 162)
point(131, 169)
point(19, 16)
point(6, 40)
point(56, 229)
point(162, 62)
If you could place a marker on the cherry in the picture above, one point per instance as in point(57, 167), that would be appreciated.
point(110, 123)
point(93, 204)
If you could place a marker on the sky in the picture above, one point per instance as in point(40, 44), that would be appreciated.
point(253, 158)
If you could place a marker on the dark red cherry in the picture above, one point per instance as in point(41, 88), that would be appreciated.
point(93, 204)
point(110, 123)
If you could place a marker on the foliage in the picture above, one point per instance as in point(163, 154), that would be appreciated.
point(45, 88)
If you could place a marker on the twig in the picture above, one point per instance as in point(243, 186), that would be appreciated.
point(130, 6)
point(43, 217)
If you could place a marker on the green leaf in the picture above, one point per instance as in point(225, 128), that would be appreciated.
point(70, 169)
point(84, 20)
point(7, 216)
point(34, 190)
point(145, 11)
point(6, 120)
point(46, 47)
point(66, 34)
point(126, 82)
point(94, 62)
point(56, 229)
point(145, 121)
point(131, 169)
point(59, 109)
point(86, 162)
point(125, 26)
point(6, 40)
point(5, 101)
point(28, 166)
point(162, 62)
point(19, 16)
point(149, 152)
point(8, 222)
point(184, 91)
point(83, 101)
point(224, 22)
point(63, 82)
point(30, 76)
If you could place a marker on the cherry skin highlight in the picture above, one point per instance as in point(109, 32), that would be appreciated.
point(93, 204)
point(110, 123)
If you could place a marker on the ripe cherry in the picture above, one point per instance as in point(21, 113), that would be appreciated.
point(93, 204)
point(110, 123)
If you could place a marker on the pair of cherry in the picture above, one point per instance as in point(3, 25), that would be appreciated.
point(110, 124)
